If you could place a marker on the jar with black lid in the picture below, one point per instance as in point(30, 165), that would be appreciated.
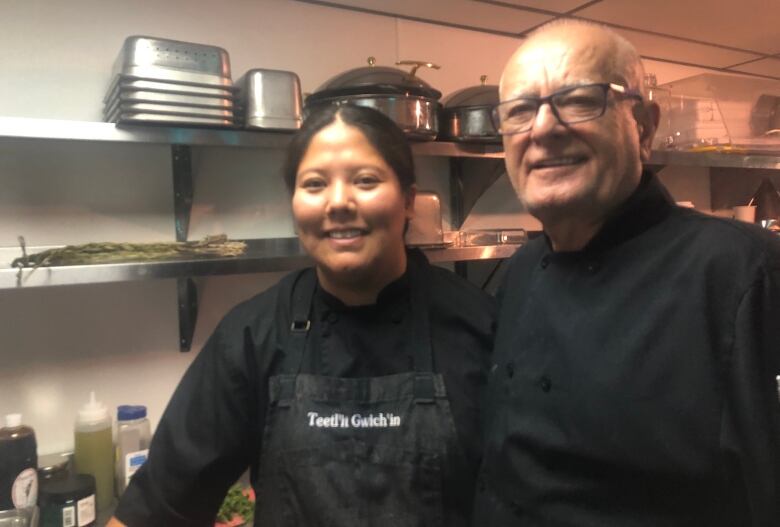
point(68, 502)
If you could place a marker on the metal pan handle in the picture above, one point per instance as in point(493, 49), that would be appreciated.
point(417, 64)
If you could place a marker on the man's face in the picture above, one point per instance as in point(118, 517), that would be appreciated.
point(580, 170)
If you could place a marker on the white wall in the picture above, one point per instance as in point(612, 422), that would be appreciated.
point(122, 339)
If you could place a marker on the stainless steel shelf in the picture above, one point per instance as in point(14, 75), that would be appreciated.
point(445, 149)
point(770, 160)
point(758, 159)
point(51, 129)
point(460, 254)
point(275, 254)
point(269, 255)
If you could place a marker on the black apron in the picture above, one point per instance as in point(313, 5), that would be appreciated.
point(358, 451)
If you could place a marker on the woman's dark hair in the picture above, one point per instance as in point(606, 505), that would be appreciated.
point(383, 134)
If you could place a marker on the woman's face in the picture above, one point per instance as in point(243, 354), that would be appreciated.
point(350, 210)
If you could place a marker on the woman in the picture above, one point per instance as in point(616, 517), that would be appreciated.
point(350, 389)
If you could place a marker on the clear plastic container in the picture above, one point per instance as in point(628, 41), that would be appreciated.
point(721, 112)
point(133, 436)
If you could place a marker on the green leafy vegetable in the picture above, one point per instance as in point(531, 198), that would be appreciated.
point(237, 502)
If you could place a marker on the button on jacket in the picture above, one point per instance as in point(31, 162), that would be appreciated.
point(634, 380)
point(217, 421)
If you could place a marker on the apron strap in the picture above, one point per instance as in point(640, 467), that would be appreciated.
point(419, 279)
point(422, 351)
point(300, 320)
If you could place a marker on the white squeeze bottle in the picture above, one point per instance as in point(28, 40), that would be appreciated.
point(94, 449)
point(132, 443)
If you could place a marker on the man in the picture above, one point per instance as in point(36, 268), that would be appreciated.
point(638, 342)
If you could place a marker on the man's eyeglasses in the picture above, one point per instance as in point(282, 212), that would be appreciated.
point(572, 105)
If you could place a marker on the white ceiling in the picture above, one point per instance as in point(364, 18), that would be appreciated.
point(724, 35)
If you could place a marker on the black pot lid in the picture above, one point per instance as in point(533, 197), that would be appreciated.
point(375, 80)
point(481, 95)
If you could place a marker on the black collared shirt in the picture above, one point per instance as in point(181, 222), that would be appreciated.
point(211, 430)
point(634, 380)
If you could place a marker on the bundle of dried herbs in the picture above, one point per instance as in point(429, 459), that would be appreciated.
point(110, 252)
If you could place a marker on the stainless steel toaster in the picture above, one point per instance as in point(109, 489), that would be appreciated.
point(270, 99)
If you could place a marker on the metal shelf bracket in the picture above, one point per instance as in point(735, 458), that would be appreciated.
point(469, 179)
point(187, 292)
point(182, 189)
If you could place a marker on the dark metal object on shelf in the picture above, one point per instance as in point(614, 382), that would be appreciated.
point(764, 115)
point(767, 201)
point(181, 158)
point(187, 292)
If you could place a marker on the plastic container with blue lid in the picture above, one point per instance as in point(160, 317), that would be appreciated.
point(132, 443)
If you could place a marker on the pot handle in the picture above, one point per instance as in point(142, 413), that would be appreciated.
point(416, 64)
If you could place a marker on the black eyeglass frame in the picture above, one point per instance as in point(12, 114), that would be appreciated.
point(605, 86)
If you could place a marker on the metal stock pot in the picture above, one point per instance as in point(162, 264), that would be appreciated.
point(405, 98)
point(466, 114)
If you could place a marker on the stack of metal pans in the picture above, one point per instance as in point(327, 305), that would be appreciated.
point(157, 80)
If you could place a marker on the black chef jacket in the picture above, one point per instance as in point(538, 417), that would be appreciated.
point(634, 380)
point(211, 430)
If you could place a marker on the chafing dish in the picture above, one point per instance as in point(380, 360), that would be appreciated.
point(466, 114)
point(405, 98)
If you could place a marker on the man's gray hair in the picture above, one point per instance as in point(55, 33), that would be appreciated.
point(625, 61)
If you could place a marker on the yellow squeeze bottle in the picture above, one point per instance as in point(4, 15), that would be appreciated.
point(94, 449)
